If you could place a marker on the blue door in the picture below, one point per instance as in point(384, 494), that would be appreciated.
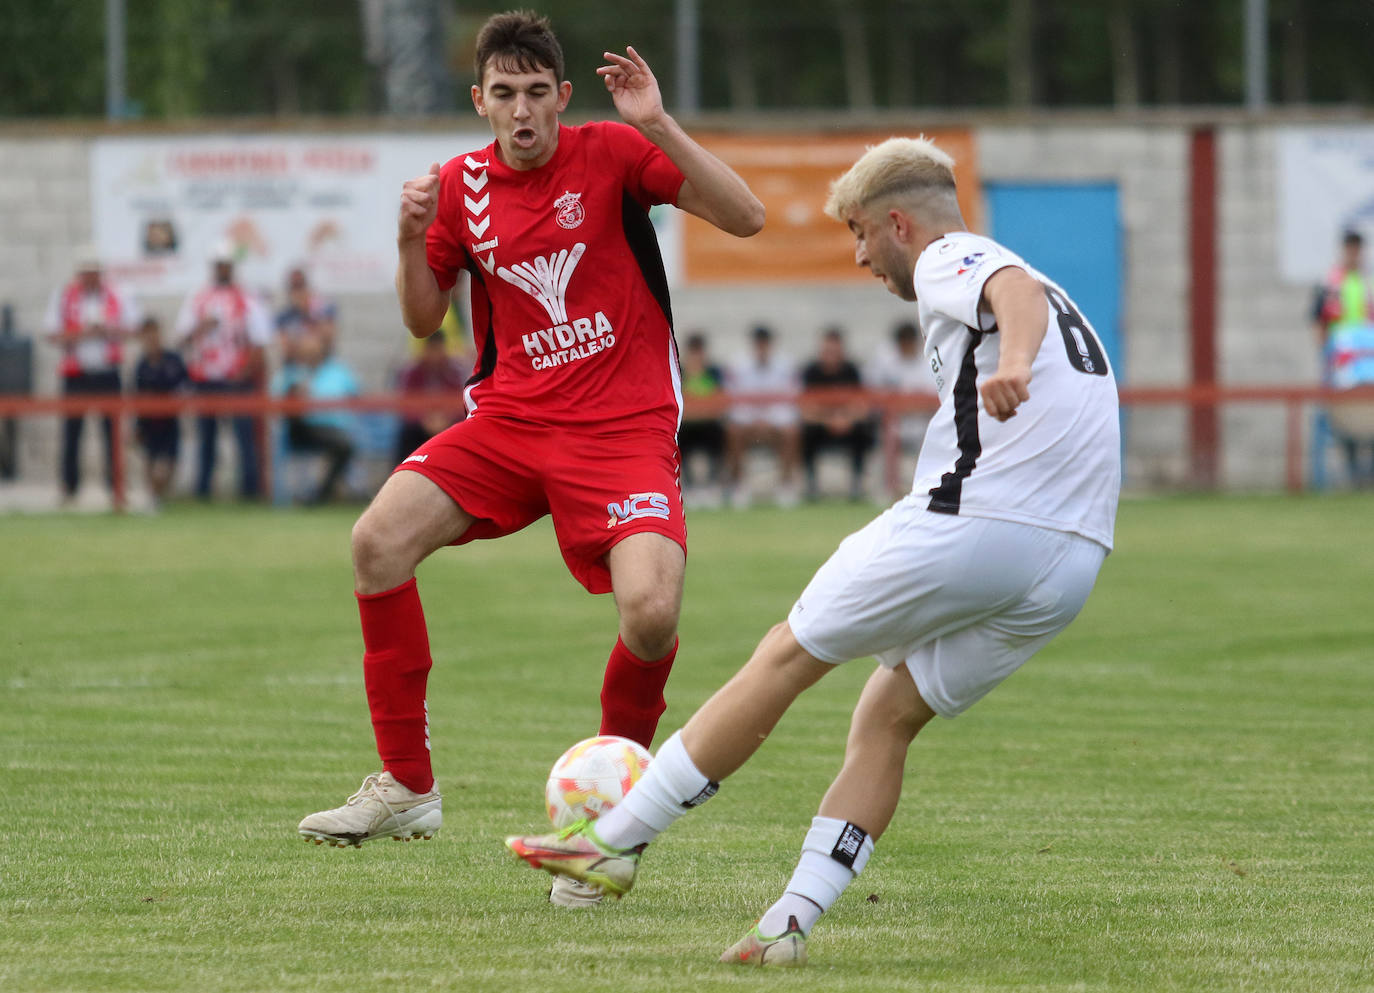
point(1072, 233)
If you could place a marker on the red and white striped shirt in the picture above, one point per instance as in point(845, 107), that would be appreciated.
point(240, 324)
point(75, 309)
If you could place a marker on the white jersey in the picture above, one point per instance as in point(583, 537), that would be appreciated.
point(1057, 463)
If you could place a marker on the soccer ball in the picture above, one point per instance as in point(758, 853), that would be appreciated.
point(593, 776)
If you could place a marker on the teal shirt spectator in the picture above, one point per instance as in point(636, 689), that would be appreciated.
point(330, 379)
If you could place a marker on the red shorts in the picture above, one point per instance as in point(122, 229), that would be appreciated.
point(599, 485)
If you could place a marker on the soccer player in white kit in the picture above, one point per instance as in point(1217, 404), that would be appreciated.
point(990, 556)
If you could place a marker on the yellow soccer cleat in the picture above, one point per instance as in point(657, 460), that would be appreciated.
point(577, 853)
point(786, 950)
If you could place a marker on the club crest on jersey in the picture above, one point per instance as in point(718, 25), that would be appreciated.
point(638, 505)
point(568, 211)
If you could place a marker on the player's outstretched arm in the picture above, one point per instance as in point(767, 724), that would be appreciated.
point(1018, 305)
point(423, 303)
point(712, 190)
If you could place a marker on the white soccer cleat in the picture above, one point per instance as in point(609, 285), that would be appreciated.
point(381, 808)
point(574, 894)
point(787, 949)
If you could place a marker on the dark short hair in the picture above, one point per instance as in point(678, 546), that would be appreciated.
point(518, 41)
point(905, 331)
point(696, 340)
point(1352, 237)
point(833, 334)
point(761, 332)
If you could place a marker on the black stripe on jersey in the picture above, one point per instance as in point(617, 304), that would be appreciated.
point(486, 362)
point(643, 242)
point(944, 499)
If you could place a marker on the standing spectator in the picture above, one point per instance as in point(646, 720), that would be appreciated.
point(701, 378)
point(773, 424)
point(159, 372)
point(88, 319)
point(845, 424)
point(1346, 296)
point(304, 311)
point(1342, 313)
point(435, 372)
point(225, 330)
point(318, 375)
point(899, 367)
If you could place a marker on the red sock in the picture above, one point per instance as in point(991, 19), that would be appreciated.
point(632, 694)
point(396, 666)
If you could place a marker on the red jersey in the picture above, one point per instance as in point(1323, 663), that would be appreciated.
point(570, 307)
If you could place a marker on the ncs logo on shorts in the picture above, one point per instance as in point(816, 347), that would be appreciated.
point(636, 506)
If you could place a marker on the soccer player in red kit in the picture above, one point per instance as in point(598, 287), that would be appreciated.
point(575, 403)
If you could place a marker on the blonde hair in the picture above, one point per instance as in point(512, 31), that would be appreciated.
point(908, 167)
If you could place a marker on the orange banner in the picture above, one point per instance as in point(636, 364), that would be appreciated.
point(791, 174)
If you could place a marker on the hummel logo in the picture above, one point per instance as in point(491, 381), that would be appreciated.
point(546, 279)
point(475, 179)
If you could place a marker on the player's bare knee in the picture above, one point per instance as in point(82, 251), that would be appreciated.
point(649, 617)
point(648, 621)
point(377, 562)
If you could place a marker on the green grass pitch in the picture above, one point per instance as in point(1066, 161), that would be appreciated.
point(1178, 794)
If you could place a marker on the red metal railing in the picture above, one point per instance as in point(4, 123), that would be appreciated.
point(888, 406)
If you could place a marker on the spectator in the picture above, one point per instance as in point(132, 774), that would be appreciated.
point(901, 367)
point(318, 375)
point(225, 331)
point(159, 372)
point(304, 311)
point(704, 433)
point(1343, 319)
point(433, 371)
point(1346, 295)
point(845, 424)
point(772, 424)
point(88, 319)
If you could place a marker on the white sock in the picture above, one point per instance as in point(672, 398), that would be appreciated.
point(790, 906)
point(833, 853)
point(671, 786)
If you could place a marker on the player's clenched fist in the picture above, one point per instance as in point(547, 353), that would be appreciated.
point(419, 204)
point(1004, 391)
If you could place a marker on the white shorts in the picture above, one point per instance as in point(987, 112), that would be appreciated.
point(962, 601)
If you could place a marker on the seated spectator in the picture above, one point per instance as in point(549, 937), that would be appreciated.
point(845, 424)
point(772, 423)
point(320, 376)
point(304, 311)
point(159, 372)
point(901, 367)
point(434, 371)
point(703, 434)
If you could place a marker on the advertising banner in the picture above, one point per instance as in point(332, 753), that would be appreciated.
point(791, 173)
point(163, 204)
point(1325, 186)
